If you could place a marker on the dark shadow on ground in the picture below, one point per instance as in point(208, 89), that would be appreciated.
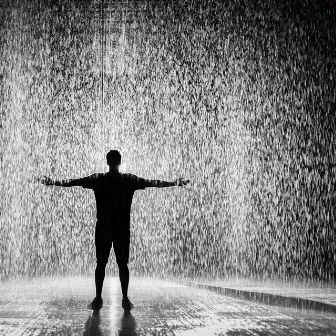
point(92, 325)
point(128, 325)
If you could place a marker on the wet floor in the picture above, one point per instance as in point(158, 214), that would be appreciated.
point(58, 307)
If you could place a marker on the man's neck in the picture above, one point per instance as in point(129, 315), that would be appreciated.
point(114, 172)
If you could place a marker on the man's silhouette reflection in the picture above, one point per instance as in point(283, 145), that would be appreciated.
point(92, 325)
point(113, 192)
point(128, 325)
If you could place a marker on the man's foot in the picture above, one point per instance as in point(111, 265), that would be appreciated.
point(127, 304)
point(96, 304)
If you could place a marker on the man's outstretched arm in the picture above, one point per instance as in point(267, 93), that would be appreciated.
point(163, 184)
point(62, 183)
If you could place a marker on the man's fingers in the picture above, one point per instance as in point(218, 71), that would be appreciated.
point(181, 181)
point(35, 179)
point(44, 180)
point(184, 181)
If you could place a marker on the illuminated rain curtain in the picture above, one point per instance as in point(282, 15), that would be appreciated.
point(237, 97)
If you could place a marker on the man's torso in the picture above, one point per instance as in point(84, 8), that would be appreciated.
point(113, 194)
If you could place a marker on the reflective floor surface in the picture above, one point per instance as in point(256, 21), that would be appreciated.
point(58, 307)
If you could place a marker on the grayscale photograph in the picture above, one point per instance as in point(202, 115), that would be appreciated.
point(167, 167)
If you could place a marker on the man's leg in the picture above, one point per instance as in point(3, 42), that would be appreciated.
point(124, 279)
point(121, 249)
point(103, 247)
point(97, 302)
point(99, 278)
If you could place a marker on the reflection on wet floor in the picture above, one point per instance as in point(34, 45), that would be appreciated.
point(58, 307)
point(92, 325)
point(127, 325)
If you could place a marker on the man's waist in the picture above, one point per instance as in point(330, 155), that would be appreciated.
point(110, 217)
point(111, 227)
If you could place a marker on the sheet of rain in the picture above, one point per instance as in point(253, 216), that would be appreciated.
point(237, 96)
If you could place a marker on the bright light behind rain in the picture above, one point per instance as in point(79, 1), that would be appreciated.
point(238, 98)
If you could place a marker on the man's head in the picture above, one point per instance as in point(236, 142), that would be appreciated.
point(113, 159)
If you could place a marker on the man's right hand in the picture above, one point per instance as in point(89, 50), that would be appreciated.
point(47, 181)
point(181, 182)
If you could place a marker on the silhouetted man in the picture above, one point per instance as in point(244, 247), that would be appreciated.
point(113, 192)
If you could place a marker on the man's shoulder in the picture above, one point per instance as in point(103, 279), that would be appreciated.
point(96, 176)
point(138, 183)
point(129, 176)
point(90, 181)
